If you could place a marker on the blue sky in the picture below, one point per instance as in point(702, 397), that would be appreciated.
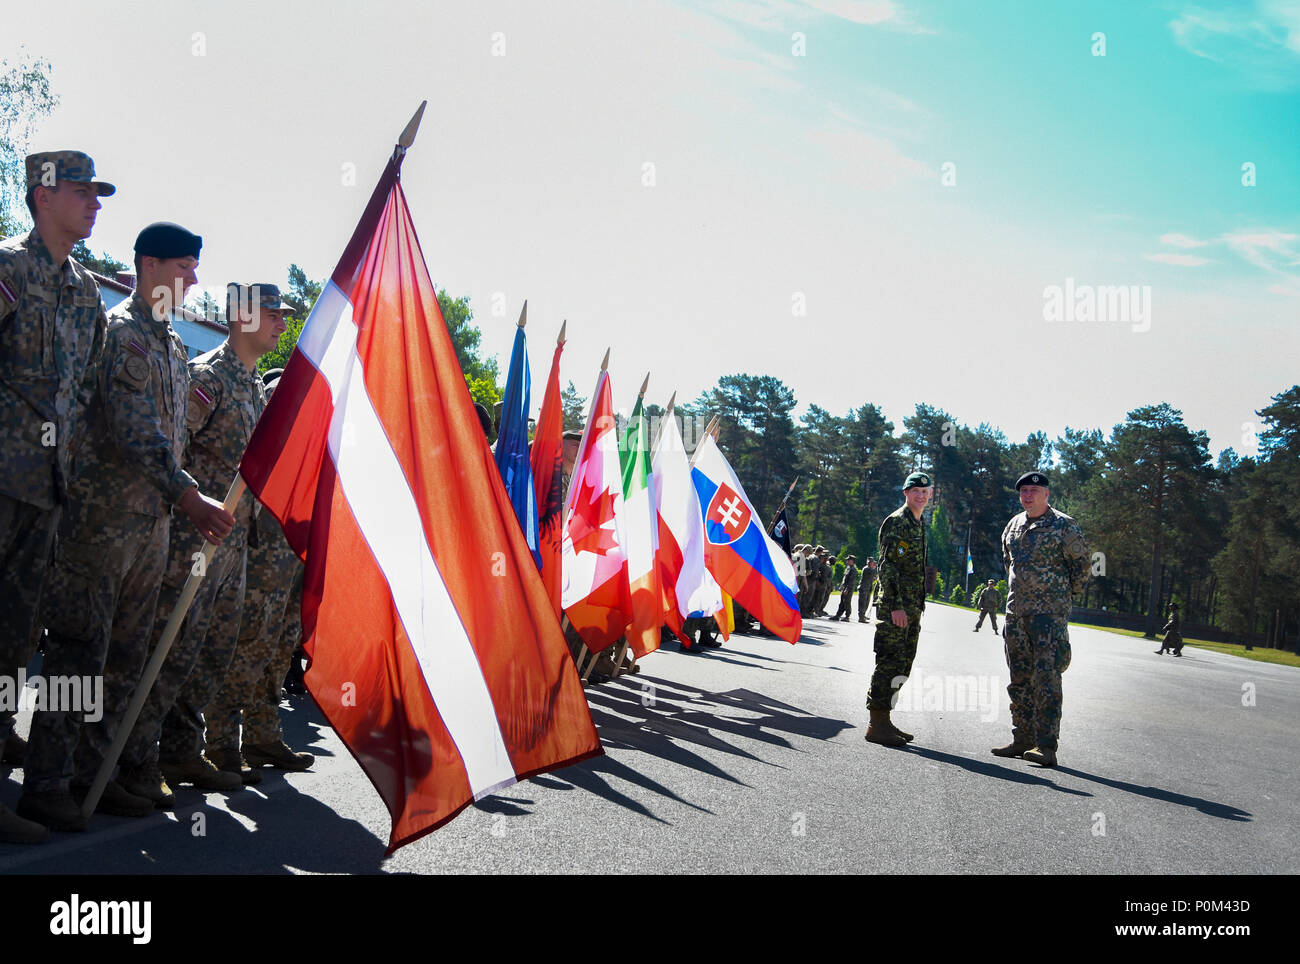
point(787, 175)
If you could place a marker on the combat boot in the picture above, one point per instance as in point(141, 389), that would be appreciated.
point(116, 800)
point(277, 755)
point(903, 733)
point(15, 751)
point(201, 773)
point(231, 761)
point(1014, 748)
point(148, 782)
point(880, 731)
point(54, 808)
point(14, 829)
point(1041, 756)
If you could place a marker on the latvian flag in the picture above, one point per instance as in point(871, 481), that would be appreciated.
point(435, 652)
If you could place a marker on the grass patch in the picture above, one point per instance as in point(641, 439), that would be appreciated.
point(1259, 653)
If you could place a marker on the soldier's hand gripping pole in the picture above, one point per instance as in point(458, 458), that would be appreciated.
point(154, 665)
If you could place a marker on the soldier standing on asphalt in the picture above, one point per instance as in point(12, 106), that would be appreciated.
point(1047, 563)
point(52, 332)
point(989, 601)
point(226, 398)
point(848, 585)
point(868, 586)
point(1173, 632)
point(251, 689)
point(103, 588)
point(899, 600)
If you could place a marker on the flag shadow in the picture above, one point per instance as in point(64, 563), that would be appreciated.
point(671, 721)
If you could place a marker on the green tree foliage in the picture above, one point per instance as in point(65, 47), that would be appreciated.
point(26, 97)
point(575, 408)
point(102, 264)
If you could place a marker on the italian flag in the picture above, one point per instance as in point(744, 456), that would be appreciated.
point(640, 528)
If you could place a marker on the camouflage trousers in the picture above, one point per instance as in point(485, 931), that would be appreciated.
point(26, 543)
point(895, 650)
point(271, 568)
point(992, 614)
point(1038, 652)
point(99, 609)
point(170, 725)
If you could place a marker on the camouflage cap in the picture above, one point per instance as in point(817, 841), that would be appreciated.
point(917, 479)
point(49, 168)
point(1032, 478)
point(266, 296)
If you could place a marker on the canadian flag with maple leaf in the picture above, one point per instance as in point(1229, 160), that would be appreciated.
point(597, 597)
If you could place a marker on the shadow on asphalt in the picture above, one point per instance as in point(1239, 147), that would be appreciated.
point(670, 720)
point(987, 769)
point(1207, 807)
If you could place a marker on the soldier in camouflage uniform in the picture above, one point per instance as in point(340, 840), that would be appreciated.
point(103, 588)
point(52, 331)
point(899, 600)
point(989, 601)
point(868, 586)
point(848, 585)
point(226, 399)
point(1047, 563)
point(258, 663)
point(1173, 633)
point(822, 581)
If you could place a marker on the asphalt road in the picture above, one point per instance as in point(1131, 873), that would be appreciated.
point(750, 758)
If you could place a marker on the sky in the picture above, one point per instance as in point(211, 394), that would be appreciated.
point(875, 201)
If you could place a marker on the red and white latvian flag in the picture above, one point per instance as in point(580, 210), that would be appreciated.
point(688, 586)
point(434, 650)
point(596, 594)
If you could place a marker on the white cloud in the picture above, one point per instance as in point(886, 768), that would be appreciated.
point(1260, 41)
point(1185, 260)
point(1181, 241)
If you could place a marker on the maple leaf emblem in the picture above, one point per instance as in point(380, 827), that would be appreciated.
point(591, 509)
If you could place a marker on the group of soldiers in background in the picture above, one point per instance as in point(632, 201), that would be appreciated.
point(116, 453)
point(814, 568)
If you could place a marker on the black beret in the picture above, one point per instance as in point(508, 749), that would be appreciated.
point(1032, 478)
point(162, 239)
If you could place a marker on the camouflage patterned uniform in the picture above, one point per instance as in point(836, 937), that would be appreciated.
point(900, 584)
point(272, 566)
point(1047, 563)
point(848, 585)
point(226, 398)
point(103, 589)
point(52, 331)
point(867, 588)
point(989, 601)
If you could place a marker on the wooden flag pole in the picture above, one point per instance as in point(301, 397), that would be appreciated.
point(154, 665)
point(618, 660)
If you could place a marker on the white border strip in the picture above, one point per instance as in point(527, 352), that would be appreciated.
point(386, 512)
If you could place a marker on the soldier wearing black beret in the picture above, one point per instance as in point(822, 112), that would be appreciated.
point(899, 600)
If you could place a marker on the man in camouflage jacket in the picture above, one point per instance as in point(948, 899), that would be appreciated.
point(899, 600)
point(52, 330)
point(1047, 564)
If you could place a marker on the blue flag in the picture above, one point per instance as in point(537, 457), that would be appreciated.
point(512, 444)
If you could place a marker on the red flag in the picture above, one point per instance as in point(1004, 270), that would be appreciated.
point(434, 650)
point(596, 594)
point(547, 458)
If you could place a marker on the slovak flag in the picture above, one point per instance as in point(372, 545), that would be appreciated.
point(434, 649)
point(747, 564)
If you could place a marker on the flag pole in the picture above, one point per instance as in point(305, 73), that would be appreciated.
point(154, 665)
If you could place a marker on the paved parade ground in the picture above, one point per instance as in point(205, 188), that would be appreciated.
point(750, 758)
